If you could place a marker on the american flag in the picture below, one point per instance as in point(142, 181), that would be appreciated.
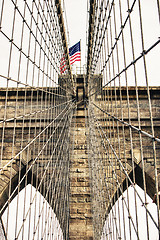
point(75, 53)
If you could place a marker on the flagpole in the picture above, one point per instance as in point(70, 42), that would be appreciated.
point(81, 56)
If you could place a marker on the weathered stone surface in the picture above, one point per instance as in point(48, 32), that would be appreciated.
point(81, 213)
point(81, 226)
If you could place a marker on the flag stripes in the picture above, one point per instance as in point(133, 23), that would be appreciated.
point(74, 55)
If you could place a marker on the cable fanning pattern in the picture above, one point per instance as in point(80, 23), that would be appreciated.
point(123, 118)
point(36, 109)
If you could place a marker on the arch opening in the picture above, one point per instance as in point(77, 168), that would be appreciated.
point(29, 216)
point(128, 218)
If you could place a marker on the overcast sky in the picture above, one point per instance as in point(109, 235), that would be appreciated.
point(76, 11)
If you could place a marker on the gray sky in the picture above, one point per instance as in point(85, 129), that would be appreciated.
point(76, 11)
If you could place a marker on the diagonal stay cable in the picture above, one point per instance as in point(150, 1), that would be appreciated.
point(51, 178)
point(128, 125)
point(117, 38)
point(33, 113)
point(33, 139)
point(44, 176)
point(106, 184)
point(32, 164)
point(129, 65)
point(32, 87)
point(125, 172)
point(27, 56)
point(117, 181)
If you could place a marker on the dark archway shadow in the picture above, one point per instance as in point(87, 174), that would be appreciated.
point(15, 182)
point(31, 179)
point(150, 185)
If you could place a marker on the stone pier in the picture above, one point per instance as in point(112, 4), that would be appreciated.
point(81, 227)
